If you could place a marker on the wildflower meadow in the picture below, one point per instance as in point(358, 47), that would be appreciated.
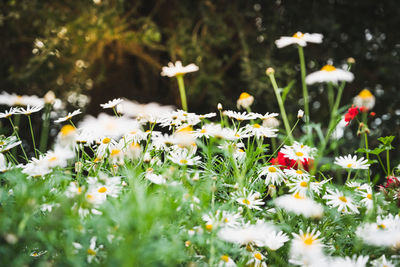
point(155, 185)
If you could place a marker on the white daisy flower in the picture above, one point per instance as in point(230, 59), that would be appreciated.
point(274, 240)
point(246, 234)
point(69, 116)
point(260, 131)
point(177, 69)
point(93, 250)
point(73, 189)
point(338, 200)
point(249, 199)
point(207, 116)
point(240, 116)
point(351, 162)
point(329, 73)
point(299, 38)
point(382, 262)
point(226, 261)
point(257, 260)
point(29, 110)
point(145, 112)
point(299, 185)
point(300, 205)
point(183, 157)
point(360, 261)
point(298, 152)
point(367, 199)
point(8, 143)
point(365, 99)
point(8, 113)
point(297, 174)
point(109, 186)
point(273, 175)
point(112, 103)
point(154, 178)
point(245, 100)
point(306, 247)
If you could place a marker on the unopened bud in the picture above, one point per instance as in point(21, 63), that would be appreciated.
point(49, 97)
point(219, 106)
point(351, 60)
point(78, 166)
point(270, 71)
point(300, 114)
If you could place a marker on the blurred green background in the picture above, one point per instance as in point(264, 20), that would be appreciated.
point(105, 49)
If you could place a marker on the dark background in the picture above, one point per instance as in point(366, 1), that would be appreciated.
point(124, 44)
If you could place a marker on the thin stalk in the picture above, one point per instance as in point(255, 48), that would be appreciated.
point(348, 176)
point(182, 91)
point(45, 129)
point(383, 166)
point(70, 121)
point(331, 96)
point(283, 142)
point(281, 107)
point(387, 162)
point(33, 136)
point(19, 139)
point(305, 91)
point(366, 148)
point(115, 112)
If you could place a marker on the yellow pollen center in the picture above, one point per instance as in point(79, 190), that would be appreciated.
point(256, 125)
point(365, 94)
point(241, 150)
point(183, 161)
point(381, 226)
point(79, 189)
point(96, 160)
point(299, 172)
point(369, 196)
point(272, 169)
point(209, 227)
point(237, 135)
point(67, 129)
point(89, 196)
point(246, 201)
point(258, 256)
point(303, 184)
point(343, 199)
point(102, 190)
point(52, 159)
point(106, 140)
point(349, 165)
point(34, 254)
point(244, 95)
point(186, 129)
point(298, 35)
point(328, 68)
point(299, 154)
point(91, 252)
point(308, 241)
point(115, 152)
point(225, 258)
point(226, 220)
point(298, 196)
point(203, 131)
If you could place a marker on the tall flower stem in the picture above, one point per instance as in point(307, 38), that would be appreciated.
point(33, 136)
point(305, 92)
point(19, 139)
point(281, 106)
point(182, 91)
point(45, 129)
point(366, 148)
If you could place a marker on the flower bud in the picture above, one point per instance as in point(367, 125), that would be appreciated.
point(270, 71)
point(49, 97)
point(219, 106)
point(351, 60)
point(300, 114)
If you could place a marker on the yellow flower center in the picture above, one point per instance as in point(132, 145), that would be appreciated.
point(256, 125)
point(343, 199)
point(241, 150)
point(246, 201)
point(183, 161)
point(106, 140)
point(258, 256)
point(203, 131)
point(381, 226)
point(186, 129)
point(298, 35)
point(89, 196)
point(298, 196)
point(299, 154)
point(34, 254)
point(225, 258)
point(244, 95)
point(91, 252)
point(349, 165)
point(226, 220)
point(272, 169)
point(96, 160)
point(365, 94)
point(209, 227)
point(187, 243)
point(299, 172)
point(328, 68)
point(369, 196)
point(79, 189)
point(52, 159)
point(102, 190)
point(303, 184)
point(308, 240)
point(67, 130)
point(237, 135)
point(115, 152)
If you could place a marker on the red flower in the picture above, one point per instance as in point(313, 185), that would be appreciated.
point(351, 114)
point(363, 109)
point(392, 181)
point(286, 163)
point(372, 114)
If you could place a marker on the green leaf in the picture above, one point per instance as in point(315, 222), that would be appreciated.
point(286, 90)
point(387, 140)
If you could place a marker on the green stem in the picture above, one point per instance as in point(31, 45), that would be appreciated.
point(182, 91)
point(366, 148)
point(19, 139)
point(383, 166)
point(33, 136)
point(283, 142)
point(387, 162)
point(331, 96)
point(305, 92)
point(348, 176)
point(281, 106)
point(45, 129)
